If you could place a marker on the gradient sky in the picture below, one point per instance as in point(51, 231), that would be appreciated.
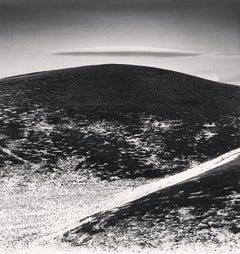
point(200, 37)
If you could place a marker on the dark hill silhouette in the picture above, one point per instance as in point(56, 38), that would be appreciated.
point(116, 120)
point(131, 89)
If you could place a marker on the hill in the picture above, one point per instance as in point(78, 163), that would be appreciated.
point(115, 121)
point(129, 88)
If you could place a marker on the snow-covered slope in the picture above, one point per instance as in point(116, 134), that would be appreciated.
point(122, 206)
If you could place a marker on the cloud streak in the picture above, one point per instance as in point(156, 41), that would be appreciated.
point(128, 52)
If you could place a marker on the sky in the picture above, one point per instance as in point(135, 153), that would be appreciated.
point(199, 37)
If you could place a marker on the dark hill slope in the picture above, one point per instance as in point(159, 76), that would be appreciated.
point(115, 120)
point(129, 88)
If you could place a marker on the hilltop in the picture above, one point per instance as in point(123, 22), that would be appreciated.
point(128, 88)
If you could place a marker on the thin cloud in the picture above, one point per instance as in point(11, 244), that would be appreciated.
point(125, 52)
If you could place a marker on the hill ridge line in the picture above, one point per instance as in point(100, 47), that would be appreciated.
point(31, 74)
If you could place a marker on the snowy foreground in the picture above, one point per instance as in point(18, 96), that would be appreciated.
point(185, 249)
point(37, 215)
